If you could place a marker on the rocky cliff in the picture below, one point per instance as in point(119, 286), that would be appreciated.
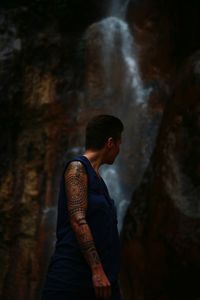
point(40, 70)
point(160, 237)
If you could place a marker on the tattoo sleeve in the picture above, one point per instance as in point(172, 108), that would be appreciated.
point(76, 191)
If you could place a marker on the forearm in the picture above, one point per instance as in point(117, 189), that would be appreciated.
point(87, 245)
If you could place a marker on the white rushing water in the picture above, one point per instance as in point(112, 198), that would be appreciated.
point(118, 47)
point(117, 37)
point(112, 179)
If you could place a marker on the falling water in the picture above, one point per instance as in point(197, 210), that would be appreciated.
point(117, 48)
point(116, 34)
point(118, 8)
point(112, 179)
point(113, 85)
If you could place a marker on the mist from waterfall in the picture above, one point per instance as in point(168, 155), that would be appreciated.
point(113, 85)
point(115, 33)
point(118, 47)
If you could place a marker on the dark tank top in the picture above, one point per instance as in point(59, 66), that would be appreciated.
point(68, 269)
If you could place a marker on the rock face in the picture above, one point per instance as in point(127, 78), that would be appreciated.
point(39, 59)
point(161, 234)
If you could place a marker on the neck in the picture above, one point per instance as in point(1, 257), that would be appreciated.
point(95, 157)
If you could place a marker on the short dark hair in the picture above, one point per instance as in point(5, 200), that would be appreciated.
point(100, 128)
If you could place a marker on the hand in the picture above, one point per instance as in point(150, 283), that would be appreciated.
point(101, 284)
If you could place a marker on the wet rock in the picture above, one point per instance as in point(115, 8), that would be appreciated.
point(38, 115)
point(161, 234)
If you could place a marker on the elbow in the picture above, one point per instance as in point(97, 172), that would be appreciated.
point(76, 222)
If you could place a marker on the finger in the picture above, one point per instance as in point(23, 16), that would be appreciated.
point(104, 293)
point(98, 292)
point(101, 292)
point(108, 292)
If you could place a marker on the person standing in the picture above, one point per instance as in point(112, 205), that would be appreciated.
point(86, 259)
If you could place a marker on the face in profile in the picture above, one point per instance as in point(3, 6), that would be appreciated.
point(113, 149)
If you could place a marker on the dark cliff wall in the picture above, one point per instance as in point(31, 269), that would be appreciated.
point(41, 63)
point(161, 241)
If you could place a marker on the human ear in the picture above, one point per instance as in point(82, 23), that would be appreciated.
point(110, 142)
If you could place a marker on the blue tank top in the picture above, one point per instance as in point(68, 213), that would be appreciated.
point(68, 268)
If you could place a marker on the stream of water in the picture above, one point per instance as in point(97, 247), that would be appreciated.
point(119, 50)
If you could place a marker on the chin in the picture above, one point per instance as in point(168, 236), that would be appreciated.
point(110, 162)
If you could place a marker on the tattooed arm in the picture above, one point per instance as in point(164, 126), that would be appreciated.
point(76, 187)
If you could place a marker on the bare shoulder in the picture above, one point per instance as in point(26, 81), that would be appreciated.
point(75, 168)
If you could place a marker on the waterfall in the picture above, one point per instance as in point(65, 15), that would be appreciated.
point(115, 33)
point(114, 86)
point(118, 8)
